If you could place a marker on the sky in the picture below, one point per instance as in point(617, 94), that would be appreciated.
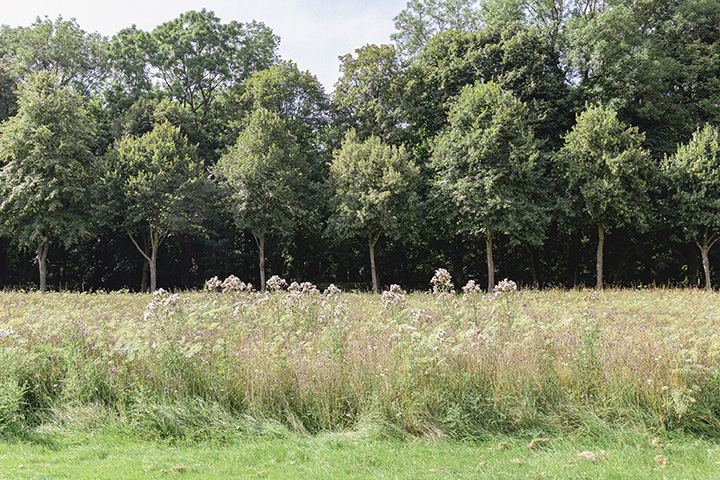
point(313, 33)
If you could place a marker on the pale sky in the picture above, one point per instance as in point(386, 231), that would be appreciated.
point(313, 33)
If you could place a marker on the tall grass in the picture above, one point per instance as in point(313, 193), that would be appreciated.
point(203, 364)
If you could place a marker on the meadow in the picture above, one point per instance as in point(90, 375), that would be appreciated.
point(612, 368)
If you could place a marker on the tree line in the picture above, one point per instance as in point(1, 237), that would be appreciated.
point(554, 142)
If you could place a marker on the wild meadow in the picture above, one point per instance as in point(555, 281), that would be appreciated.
point(439, 364)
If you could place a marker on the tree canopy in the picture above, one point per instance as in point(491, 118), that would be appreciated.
point(47, 171)
point(374, 189)
point(489, 168)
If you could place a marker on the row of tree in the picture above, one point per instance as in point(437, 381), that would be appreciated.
point(528, 130)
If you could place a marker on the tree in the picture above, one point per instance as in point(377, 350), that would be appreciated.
point(129, 53)
point(655, 62)
point(155, 187)
point(607, 174)
point(197, 57)
point(695, 198)
point(423, 19)
point(47, 170)
point(369, 93)
point(489, 168)
point(298, 98)
point(266, 179)
point(373, 192)
point(77, 58)
point(516, 58)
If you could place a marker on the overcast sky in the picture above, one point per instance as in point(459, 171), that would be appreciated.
point(313, 33)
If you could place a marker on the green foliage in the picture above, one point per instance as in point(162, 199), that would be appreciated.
point(374, 192)
point(607, 171)
point(197, 57)
point(296, 97)
point(267, 181)
point(421, 20)
point(369, 93)
point(155, 186)
point(265, 176)
point(517, 58)
point(159, 179)
point(47, 172)
point(374, 189)
point(489, 166)
point(694, 201)
point(654, 62)
point(128, 53)
point(77, 59)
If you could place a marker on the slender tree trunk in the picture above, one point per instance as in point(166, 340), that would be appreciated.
point(373, 272)
point(153, 264)
point(599, 264)
point(708, 242)
point(260, 241)
point(704, 249)
point(490, 262)
point(42, 252)
point(156, 238)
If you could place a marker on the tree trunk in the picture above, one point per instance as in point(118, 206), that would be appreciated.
point(42, 252)
point(704, 249)
point(153, 243)
point(153, 265)
point(708, 241)
point(599, 264)
point(261, 260)
point(373, 272)
point(490, 262)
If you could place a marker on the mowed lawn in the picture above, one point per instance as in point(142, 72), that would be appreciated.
point(356, 456)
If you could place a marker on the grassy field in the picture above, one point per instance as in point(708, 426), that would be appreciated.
point(358, 455)
point(401, 384)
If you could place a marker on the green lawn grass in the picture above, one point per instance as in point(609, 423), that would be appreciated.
point(353, 456)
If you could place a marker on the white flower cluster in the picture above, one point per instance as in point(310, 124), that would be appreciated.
point(163, 303)
point(506, 286)
point(231, 284)
point(332, 290)
point(275, 283)
point(471, 288)
point(304, 287)
point(393, 297)
point(442, 282)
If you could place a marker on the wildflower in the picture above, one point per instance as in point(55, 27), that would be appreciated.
point(309, 288)
point(332, 290)
point(275, 283)
point(506, 286)
point(393, 297)
point(232, 284)
point(471, 287)
point(213, 284)
point(442, 282)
